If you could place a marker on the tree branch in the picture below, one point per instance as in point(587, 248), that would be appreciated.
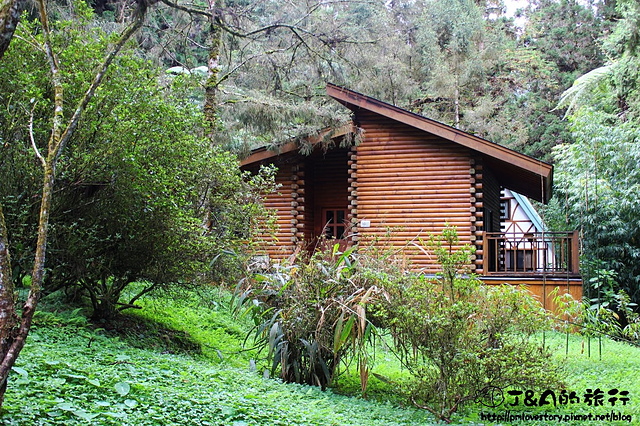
point(187, 9)
point(133, 300)
point(33, 141)
point(10, 11)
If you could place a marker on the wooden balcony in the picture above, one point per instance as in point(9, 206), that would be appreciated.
point(544, 254)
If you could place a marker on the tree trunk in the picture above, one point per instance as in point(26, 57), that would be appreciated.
point(457, 103)
point(213, 66)
point(10, 11)
point(8, 317)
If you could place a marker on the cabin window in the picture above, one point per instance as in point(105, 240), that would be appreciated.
point(334, 222)
point(505, 210)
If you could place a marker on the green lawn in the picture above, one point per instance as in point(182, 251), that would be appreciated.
point(182, 363)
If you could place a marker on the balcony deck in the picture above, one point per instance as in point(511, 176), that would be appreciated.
point(536, 254)
point(539, 261)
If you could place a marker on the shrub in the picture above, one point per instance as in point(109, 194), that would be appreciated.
point(462, 341)
point(141, 195)
point(311, 315)
point(610, 313)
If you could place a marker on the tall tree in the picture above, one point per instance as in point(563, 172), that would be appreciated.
point(565, 35)
point(268, 61)
point(452, 43)
point(597, 181)
point(13, 329)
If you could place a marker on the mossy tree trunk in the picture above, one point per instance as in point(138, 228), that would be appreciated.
point(10, 11)
point(213, 66)
point(8, 317)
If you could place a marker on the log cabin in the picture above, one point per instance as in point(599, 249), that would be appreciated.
point(392, 178)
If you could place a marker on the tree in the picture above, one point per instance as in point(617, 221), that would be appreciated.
point(564, 35)
point(451, 42)
point(13, 329)
point(597, 180)
point(274, 58)
point(597, 190)
point(141, 194)
point(10, 11)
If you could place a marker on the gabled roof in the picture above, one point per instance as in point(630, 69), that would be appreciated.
point(530, 211)
point(513, 170)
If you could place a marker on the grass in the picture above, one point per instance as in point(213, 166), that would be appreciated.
point(181, 362)
point(586, 364)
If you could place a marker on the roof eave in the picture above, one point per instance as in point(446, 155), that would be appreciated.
point(355, 101)
point(264, 153)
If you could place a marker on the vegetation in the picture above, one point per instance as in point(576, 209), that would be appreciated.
point(146, 373)
point(74, 374)
point(311, 316)
point(117, 174)
point(61, 127)
point(460, 341)
point(597, 178)
point(134, 185)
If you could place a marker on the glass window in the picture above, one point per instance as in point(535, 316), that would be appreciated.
point(334, 223)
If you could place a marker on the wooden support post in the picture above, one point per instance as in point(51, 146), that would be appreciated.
point(575, 252)
point(352, 215)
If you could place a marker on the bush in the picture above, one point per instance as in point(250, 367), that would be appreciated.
point(311, 315)
point(610, 313)
point(459, 340)
point(462, 341)
point(141, 195)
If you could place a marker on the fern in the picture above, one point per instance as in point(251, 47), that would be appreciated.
point(584, 88)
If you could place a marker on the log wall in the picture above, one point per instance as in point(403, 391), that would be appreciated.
point(408, 184)
point(285, 203)
point(486, 207)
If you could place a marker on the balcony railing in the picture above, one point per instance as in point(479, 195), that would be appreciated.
point(546, 253)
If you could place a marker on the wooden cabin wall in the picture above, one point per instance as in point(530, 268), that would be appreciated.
point(486, 191)
point(283, 202)
point(305, 199)
point(408, 185)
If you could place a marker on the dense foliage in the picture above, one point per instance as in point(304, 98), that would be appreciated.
point(463, 341)
point(459, 340)
point(311, 316)
point(74, 374)
point(142, 196)
point(597, 176)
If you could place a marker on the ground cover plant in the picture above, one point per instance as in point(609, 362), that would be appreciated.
point(74, 373)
